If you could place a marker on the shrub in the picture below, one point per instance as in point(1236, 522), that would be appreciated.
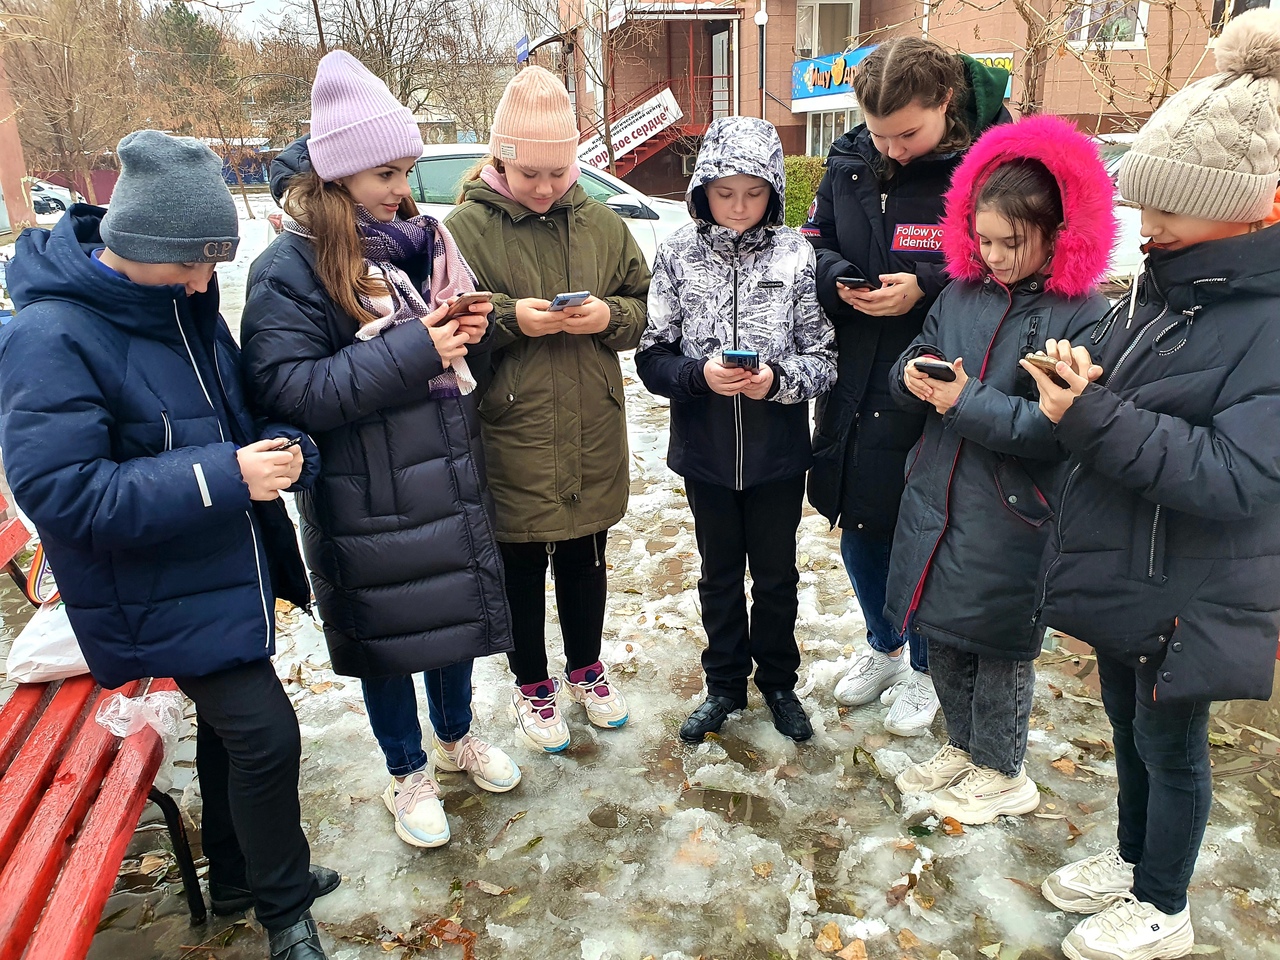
point(803, 176)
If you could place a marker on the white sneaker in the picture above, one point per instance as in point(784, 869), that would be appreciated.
point(538, 719)
point(489, 766)
point(1091, 884)
point(605, 706)
point(936, 772)
point(1131, 930)
point(871, 674)
point(983, 794)
point(415, 803)
point(914, 708)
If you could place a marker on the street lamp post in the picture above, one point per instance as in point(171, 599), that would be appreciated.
point(761, 18)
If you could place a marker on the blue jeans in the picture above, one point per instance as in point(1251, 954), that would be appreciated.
point(1162, 763)
point(393, 713)
point(866, 558)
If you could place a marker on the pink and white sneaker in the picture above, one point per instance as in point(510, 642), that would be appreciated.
point(414, 801)
point(537, 717)
point(489, 766)
point(590, 686)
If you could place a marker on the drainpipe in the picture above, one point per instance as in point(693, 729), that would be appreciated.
point(737, 69)
point(924, 21)
point(762, 18)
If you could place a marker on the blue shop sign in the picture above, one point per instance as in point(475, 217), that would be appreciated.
point(823, 76)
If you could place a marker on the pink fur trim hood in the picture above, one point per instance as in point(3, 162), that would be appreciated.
point(1082, 250)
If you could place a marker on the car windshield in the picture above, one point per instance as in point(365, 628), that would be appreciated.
point(439, 179)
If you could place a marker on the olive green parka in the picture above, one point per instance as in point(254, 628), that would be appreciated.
point(553, 416)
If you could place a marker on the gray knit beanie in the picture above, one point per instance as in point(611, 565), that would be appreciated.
point(1213, 150)
point(170, 204)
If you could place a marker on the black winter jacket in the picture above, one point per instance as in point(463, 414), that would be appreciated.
point(398, 530)
point(1167, 550)
point(860, 225)
point(978, 504)
point(121, 408)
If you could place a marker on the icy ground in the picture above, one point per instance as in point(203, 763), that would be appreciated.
point(632, 845)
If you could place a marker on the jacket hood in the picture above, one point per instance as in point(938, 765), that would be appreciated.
point(293, 160)
point(739, 145)
point(1082, 249)
point(1202, 274)
point(54, 265)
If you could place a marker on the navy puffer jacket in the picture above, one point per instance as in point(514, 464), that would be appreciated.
point(398, 530)
point(121, 409)
point(1167, 548)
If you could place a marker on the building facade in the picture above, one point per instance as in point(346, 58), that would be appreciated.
point(655, 73)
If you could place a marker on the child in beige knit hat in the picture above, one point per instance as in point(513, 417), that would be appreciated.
point(553, 421)
point(1167, 549)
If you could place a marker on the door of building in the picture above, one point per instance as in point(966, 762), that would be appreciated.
point(721, 105)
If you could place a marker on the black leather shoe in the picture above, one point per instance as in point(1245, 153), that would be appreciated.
point(708, 718)
point(788, 716)
point(299, 942)
point(226, 899)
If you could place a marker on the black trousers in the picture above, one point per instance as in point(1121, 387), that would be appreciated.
point(735, 528)
point(248, 752)
point(581, 582)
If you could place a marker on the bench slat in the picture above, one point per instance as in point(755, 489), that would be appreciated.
point(18, 716)
point(37, 858)
point(28, 776)
point(75, 907)
point(13, 538)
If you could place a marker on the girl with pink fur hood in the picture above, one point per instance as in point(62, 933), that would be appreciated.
point(1027, 234)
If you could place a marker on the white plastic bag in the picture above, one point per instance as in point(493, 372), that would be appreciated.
point(125, 715)
point(46, 649)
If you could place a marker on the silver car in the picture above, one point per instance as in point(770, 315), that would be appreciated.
point(437, 178)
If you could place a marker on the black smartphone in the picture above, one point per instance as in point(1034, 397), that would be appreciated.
point(858, 283)
point(290, 442)
point(742, 359)
point(936, 370)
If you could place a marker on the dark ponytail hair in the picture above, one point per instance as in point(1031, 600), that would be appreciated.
point(908, 70)
point(1025, 193)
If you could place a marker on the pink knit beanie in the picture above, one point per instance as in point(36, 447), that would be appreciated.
point(533, 125)
point(356, 123)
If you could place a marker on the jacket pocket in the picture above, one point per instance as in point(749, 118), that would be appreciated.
point(379, 479)
point(505, 389)
point(1147, 544)
point(1019, 493)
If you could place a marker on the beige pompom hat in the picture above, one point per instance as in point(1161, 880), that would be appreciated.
point(1212, 151)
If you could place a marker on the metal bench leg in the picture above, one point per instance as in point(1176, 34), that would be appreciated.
point(182, 851)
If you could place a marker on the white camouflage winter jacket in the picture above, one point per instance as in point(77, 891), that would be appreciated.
point(714, 289)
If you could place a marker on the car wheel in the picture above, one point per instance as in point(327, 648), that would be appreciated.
point(57, 205)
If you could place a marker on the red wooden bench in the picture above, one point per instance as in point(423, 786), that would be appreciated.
point(71, 794)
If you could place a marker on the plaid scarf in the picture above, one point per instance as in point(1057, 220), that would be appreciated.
point(386, 246)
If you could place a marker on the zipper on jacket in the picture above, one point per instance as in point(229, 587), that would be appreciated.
point(884, 202)
point(168, 430)
point(257, 555)
point(1151, 557)
point(1136, 340)
point(737, 397)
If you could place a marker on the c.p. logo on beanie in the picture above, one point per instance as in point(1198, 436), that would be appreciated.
point(170, 204)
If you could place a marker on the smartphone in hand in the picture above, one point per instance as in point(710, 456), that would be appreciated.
point(748, 360)
point(1046, 365)
point(563, 301)
point(936, 370)
point(461, 304)
point(858, 283)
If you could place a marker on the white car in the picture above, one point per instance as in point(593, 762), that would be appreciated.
point(436, 183)
point(58, 198)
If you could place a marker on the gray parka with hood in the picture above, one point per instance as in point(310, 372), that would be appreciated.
point(716, 289)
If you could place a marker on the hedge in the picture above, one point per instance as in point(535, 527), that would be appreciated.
point(803, 176)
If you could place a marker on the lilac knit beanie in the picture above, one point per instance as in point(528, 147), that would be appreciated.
point(356, 123)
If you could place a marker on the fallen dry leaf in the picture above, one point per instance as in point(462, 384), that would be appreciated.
point(907, 939)
point(152, 865)
point(1073, 831)
point(763, 870)
point(321, 687)
point(897, 893)
point(991, 950)
point(484, 886)
point(856, 950)
point(828, 939)
point(1065, 765)
point(1057, 694)
point(904, 844)
point(952, 827)
point(1084, 807)
point(1025, 886)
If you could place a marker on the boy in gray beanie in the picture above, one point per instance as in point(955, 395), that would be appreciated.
point(156, 495)
point(1167, 552)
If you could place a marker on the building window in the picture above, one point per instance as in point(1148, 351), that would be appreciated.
point(824, 27)
point(1236, 7)
point(826, 128)
point(1113, 24)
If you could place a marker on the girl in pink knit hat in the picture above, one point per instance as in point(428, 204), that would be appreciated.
point(347, 335)
point(554, 427)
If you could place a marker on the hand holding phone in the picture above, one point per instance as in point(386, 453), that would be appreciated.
point(748, 360)
point(461, 304)
point(858, 283)
point(936, 369)
point(1046, 365)
point(288, 442)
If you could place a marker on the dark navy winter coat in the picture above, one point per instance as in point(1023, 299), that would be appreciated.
point(121, 409)
point(1167, 548)
point(398, 530)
